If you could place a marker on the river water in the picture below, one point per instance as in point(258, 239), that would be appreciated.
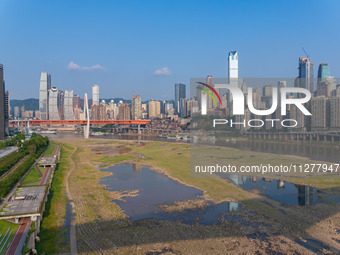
point(154, 189)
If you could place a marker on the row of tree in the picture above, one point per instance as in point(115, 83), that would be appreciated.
point(33, 148)
point(6, 163)
point(14, 141)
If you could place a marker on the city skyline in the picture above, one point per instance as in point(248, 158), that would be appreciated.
point(154, 58)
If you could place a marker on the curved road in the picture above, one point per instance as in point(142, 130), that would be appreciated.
point(73, 237)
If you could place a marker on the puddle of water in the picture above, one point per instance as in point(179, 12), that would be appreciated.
point(156, 189)
point(282, 191)
point(67, 222)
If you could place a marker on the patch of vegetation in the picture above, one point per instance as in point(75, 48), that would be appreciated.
point(4, 226)
point(34, 147)
point(10, 160)
point(52, 232)
point(32, 176)
point(50, 150)
point(116, 158)
point(14, 141)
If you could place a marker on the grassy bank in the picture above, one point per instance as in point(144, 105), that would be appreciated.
point(54, 236)
point(4, 226)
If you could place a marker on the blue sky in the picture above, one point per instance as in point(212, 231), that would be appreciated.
point(119, 45)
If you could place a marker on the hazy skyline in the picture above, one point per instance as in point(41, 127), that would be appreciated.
point(148, 46)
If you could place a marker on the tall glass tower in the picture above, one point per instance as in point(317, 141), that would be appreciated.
point(323, 72)
point(180, 89)
point(45, 85)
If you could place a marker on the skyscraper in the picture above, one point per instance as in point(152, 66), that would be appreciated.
point(45, 86)
point(180, 90)
point(232, 65)
point(68, 105)
point(136, 107)
point(95, 95)
point(325, 76)
point(2, 104)
point(54, 102)
point(323, 72)
point(232, 74)
point(306, 74)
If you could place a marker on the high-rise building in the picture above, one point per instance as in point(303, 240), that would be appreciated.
point(61, 97)
point(268, 91)
point(320, 112)
point(95, 112)
point(6, 113)
point(192, 107)
point(323, 88)
point(113, 110)
point(16, 112)
point(180, 92)
point(2, 104)
point(68, 105)
point(124, 111)
point(232, 65)
point(136, 107)
point(183, 110)
point(210, 102)
point(53, 104)
point(232, 75)
point(45, 86)
point(37, 114)
point(76, 101)
point(306, 74)
point(154, 108)
point(76, 107)
point(95, 95)
point(335, 112)
point(323, 72)
point(103, 110)
point(168, 106)
point(324, 75)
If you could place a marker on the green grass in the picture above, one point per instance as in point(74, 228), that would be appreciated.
point(32, 176)
point(51, 235)
point(42, 169)
point(50, 150)
point(4, 225)
point(116, 159)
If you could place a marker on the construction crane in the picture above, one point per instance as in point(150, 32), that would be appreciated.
point(307, 55)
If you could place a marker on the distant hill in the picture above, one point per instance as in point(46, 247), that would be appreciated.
point(30, 104)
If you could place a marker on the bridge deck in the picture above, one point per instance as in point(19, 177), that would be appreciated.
point(79, 122)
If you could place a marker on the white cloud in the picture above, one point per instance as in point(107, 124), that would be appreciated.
point(162, 71)
point(75, 67)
